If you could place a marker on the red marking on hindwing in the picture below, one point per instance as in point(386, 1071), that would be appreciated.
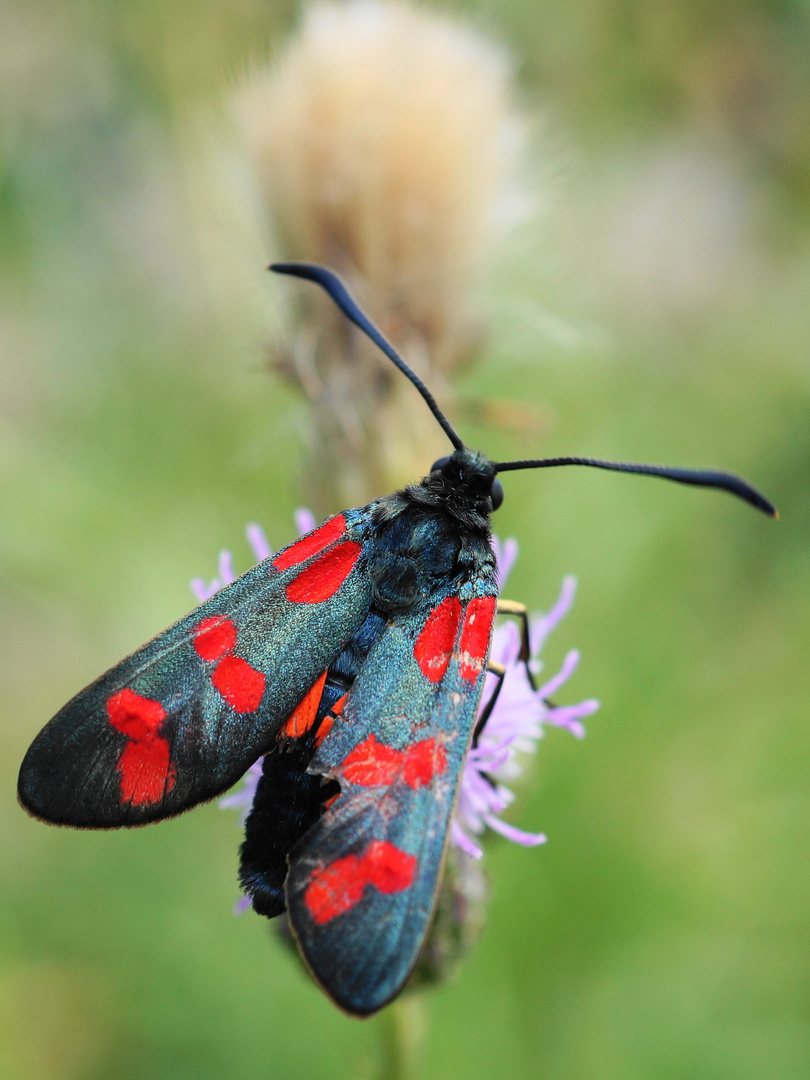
point(324, 729)
point(306, 710)
point(475, 636)
point(323, 577)
point(240, 684)
point(340, 886)
point(308, 546)
point(214, 637)
point(145, 769)
point(326, 725)
point(436, 639)
point(337, 708)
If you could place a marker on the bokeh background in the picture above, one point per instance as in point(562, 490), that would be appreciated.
point(653, 306)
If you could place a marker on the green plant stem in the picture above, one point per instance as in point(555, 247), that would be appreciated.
point(404, 1026)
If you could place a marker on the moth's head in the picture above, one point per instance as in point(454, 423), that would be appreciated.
point(471, 472)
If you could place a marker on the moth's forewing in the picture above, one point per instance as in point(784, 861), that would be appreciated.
point(181, 719)
point(363, 881)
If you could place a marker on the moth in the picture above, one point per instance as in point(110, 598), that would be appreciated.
point(352, 662)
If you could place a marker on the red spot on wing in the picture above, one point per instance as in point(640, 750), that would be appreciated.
point(135, 716)
point(372, 763)
point(475, 636)
point(323, 577)
point(303, 717)
point(389, 868)
point(375, 764)
point(240, 684)
point(145, 769)
point(214, 637)
point(308, 546)
point(423, 761)
point(335, 889)
point(340, 886)
point(146, 772)
point(436, 639)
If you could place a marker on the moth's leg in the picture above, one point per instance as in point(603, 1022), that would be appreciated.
point(518, 610)
point(499, 671)
point(513, 607)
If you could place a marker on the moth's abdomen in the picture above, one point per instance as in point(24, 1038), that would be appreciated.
point(288, 799)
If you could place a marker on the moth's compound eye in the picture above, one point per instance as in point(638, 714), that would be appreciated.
point(496, 493)
point(437, 466)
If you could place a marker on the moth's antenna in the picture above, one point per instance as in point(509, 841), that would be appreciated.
point(332, 284)
point(710, 478)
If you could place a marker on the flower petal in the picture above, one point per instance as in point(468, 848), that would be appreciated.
point(258, 541)
point(461, 840)
point(517, 836)
point(543, 626)
point(568, 668)
point(305, 520)
point(226, 574)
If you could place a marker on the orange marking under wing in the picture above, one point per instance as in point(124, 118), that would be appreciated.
point(302, 719)
point(337, 708)
point(324, 729)
point(326, 725)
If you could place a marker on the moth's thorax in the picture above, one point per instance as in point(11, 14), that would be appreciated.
point(433, 534)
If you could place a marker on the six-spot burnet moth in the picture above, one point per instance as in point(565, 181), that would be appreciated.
point(354, 661)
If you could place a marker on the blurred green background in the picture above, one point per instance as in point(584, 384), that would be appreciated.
point(660, 312)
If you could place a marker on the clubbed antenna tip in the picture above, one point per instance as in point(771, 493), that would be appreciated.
point(341, 296)
point(710, 478)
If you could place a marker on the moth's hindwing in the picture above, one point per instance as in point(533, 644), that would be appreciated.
point(363, 881)
point(181, 719)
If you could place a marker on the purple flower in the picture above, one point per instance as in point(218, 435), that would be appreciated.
point(259, 546)
point(518, 719)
